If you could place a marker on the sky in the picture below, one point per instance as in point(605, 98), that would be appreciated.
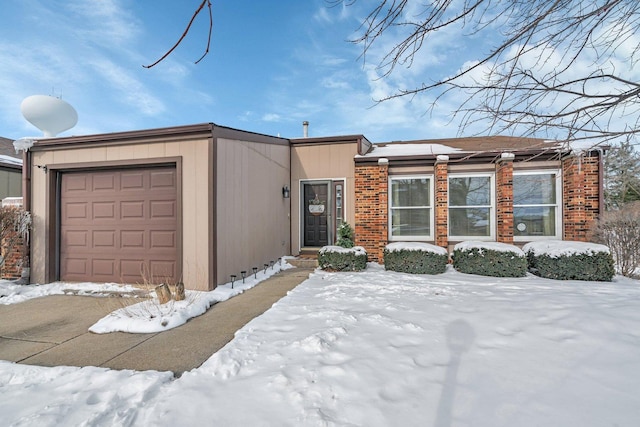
point(374, 348)
point(271, 66)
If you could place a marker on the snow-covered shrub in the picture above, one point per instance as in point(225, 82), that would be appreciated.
point(620, 232)
point(489, 259)
point(337, 258)
point(345, 235)
point(568, 260)
point(415, 257)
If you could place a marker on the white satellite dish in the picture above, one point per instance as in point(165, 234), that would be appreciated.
point(49, 114)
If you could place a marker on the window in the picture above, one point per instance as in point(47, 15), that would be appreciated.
point(411, 213)
point(470, 206)
point(535, 205)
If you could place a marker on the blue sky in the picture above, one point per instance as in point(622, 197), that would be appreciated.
point(272, 65)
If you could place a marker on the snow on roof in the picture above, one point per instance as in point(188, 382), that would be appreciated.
point(495, 246)
point(558, 248)
point(10, 160)
point(416, 246)
point(359, 250)
point(394, 150)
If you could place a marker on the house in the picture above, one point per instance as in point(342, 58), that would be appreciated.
point(201, 203)
point(10, 170)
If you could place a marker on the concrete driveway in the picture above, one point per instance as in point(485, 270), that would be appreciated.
point(53, 330)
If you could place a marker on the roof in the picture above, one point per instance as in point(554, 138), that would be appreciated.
point(8, 156)
point(6, 148)
point(481, 146)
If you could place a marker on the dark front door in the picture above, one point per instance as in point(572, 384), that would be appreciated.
point(316, 214)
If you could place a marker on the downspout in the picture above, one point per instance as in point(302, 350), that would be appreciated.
point(25, 274)
point(600, 183)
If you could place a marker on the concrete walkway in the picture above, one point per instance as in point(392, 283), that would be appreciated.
point(53, 330)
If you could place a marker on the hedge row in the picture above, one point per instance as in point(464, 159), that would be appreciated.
point(561, 260)
point(489, 259)
point(337, 258)
point(416, 258)
point(564, 260)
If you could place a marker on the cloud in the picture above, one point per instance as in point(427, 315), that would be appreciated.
point(133, 92)
point(271, 117)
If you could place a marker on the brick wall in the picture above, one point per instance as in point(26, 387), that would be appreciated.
point(581, 201)
point(504, 201)
point(371, 227)
point(442, 204)
point(12, 267)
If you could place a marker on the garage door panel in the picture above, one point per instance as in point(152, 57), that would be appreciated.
point(161, 270)
point(162, 239)
point(103, 267)
point(162, 209)
point(75, 184)
point(131, 229)
point(132, 209)
point(103, 210)
point(162, 180)
point(75, 267)
point(104, 239)
point(103, 182)
point(75, 210)
point(76, 238)
point(132, 181)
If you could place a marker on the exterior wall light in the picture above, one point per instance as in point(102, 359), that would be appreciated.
point(286, 192)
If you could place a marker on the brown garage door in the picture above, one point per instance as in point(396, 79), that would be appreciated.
point(119, 225)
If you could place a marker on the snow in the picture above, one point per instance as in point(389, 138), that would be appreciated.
point(358, 250)
point(558, 248)
point(380, 348)
point(10, 160)
point(416, 246)
point(394, 150)
point(150, 316)
point(495, 246)
point(11, 293)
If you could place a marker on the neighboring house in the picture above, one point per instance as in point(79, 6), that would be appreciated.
point(10, 170)
point(203, 202)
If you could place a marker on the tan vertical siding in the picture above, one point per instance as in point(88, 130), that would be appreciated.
point(324, 161)
point(252, 216)
point(195, 193)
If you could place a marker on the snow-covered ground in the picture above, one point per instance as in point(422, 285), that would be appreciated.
point(380, 348)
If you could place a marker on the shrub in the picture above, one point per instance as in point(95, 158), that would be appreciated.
point(337, 258)
point(568, 260)
point(489, 259)
point(620, 232)
point(415, 258)
point(345, 235)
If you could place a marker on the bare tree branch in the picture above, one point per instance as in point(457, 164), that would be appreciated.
point(559, 66)
point(186, 31)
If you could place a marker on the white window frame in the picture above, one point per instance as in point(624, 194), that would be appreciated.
point(557, 205)
point(492, 206)
point(431, 208)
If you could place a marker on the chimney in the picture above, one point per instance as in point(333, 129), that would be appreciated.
point(305, 129)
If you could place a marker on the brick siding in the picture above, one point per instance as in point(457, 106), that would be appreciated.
point(580, 191)
point(371, 227)
point(581, 201)
point(442, 204)
point(504, 201)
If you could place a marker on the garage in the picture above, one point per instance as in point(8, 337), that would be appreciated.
point(119, 225)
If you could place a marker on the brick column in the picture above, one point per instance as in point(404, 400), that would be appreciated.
point(383, 207)
point(442, 202)
point(371, 210)
point(581, 201)
point(504, 198)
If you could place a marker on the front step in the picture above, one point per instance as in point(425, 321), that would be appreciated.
point(303, 262)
